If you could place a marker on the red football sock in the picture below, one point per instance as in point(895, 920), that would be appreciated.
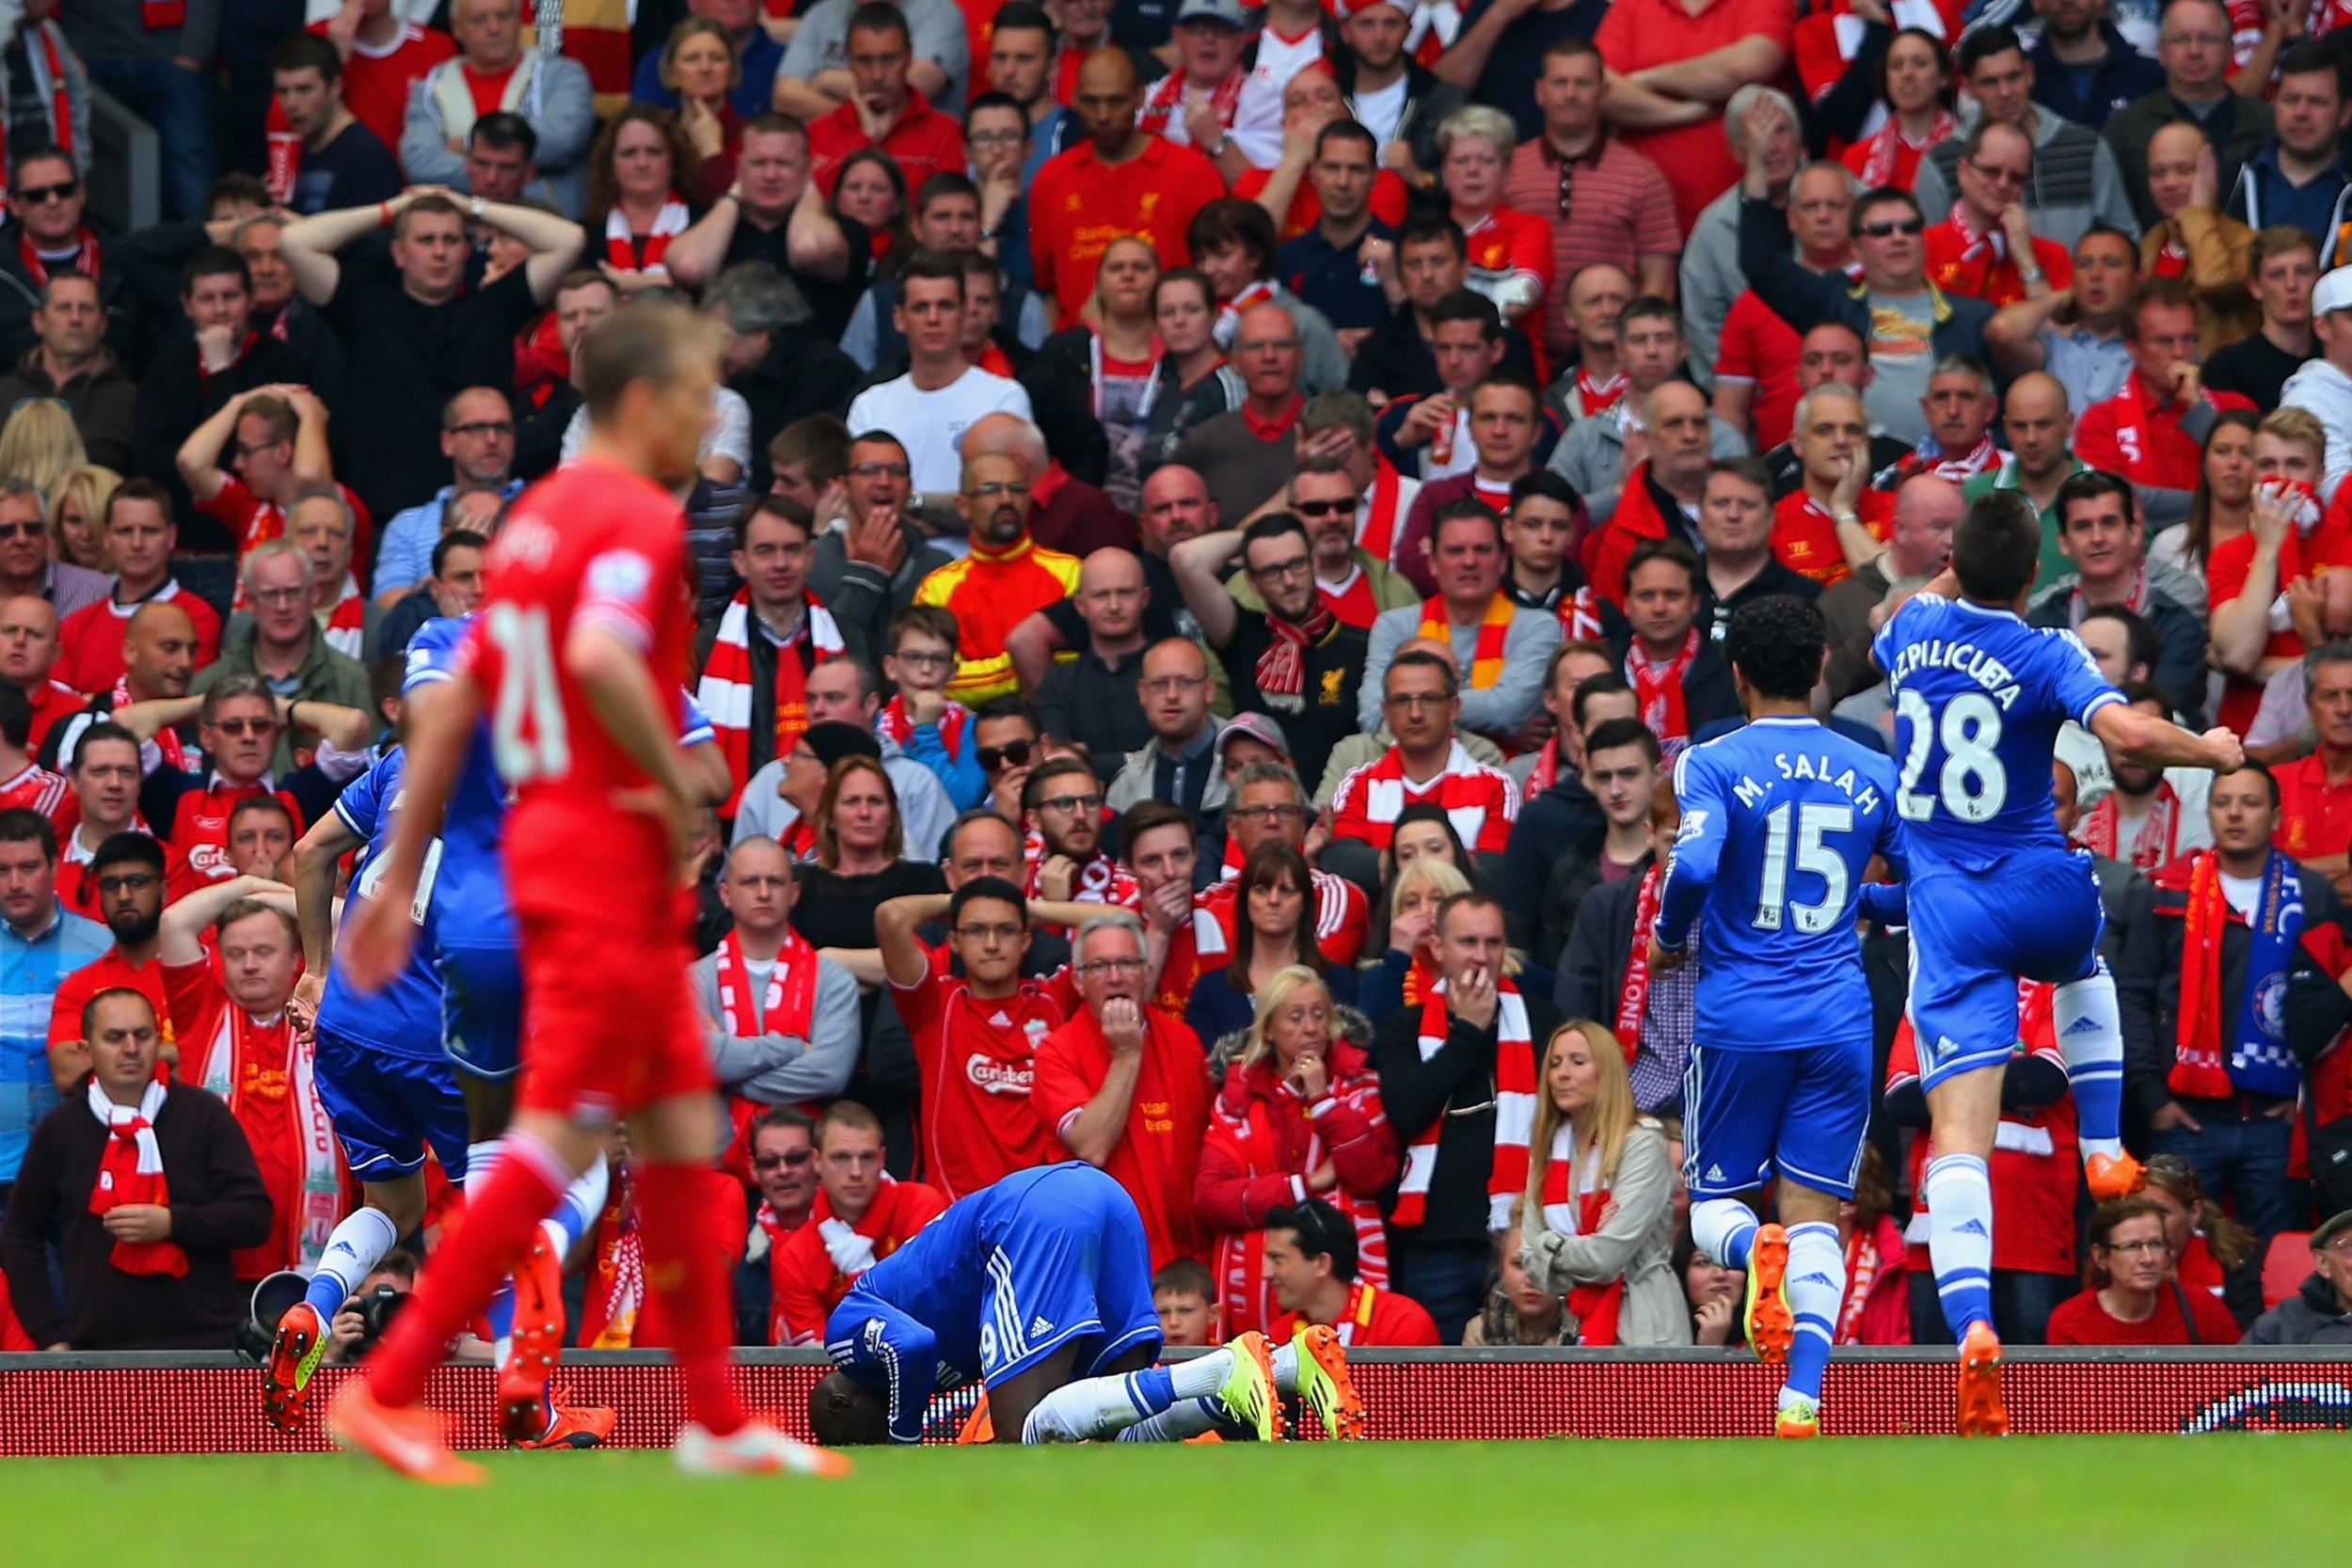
point(686, 1264)
point(465, 1271)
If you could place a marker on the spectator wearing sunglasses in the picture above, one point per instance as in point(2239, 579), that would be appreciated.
point(1908, 323)
point(46, 234)
point(28, 564)
point(784, 1172)
point(239, 728)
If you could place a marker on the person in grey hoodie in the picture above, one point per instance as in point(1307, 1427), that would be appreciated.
point(2319, 1313)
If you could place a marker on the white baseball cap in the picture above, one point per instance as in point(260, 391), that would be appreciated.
point(2333, 292)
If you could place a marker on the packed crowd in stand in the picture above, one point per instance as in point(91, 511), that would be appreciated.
point(1217, 525)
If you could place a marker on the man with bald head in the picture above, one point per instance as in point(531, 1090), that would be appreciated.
point(779, 1022)
point(1593, 378)
point(1756, 385)
point(29, 651)
point(1066, 513)
point(1918, 545)
point(1179, 764)
point(1122, 179)
point(1665, 476)
point(1246, 453)
point(1092, 699)
point(1175, 506)
point(2040, 426)
point(1005, 578)
point(1821, 527)
point(159, 658)
point(1832, 351)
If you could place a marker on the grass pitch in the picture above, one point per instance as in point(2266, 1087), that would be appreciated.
point(2146, 1501)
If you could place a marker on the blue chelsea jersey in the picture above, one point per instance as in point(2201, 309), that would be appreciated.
point(404, 1019)
point(1979, 697)
point(1780, 818)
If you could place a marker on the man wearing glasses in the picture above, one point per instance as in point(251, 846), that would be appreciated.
point(286, 655)
point(244, 465)
point(1906, 321)
point(2076, 180)
point(1063, 852)
point(861, 1217)
point(478, 438)
point(1270, 806)
point(1178, 766)
point(128, 885)
point(239, 729)
point(1986, 250)
point(1420, 698)
point(1122, 1087)
point(28, 567)
point(1293, 655)
point(2320, 1313)
point(784, 1172)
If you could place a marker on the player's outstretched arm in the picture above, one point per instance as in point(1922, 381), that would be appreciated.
point(439, 719)
point(905, 960)
point(2154, 742)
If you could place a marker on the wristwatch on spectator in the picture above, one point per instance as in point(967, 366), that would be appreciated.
point(1216, 148)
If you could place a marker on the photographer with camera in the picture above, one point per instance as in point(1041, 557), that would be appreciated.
point(370, 1311)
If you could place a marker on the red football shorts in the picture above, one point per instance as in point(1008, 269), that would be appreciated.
point(609, 1021)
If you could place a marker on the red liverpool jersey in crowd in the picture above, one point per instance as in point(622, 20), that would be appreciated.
point(978, 1062)
point(1373, 1316)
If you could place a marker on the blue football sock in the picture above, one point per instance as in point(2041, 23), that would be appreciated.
point(1816, 1285)
point(2091, 1038)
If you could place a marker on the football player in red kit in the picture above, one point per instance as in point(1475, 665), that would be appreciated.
point(577, 661)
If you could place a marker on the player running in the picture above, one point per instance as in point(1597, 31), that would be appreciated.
point(1996, 891)
point(1041, 1288)
point(1779, 821)
point(577, 657)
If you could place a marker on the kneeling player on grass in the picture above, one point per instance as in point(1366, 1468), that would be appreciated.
point(1780, 819)
point(1041, 1288)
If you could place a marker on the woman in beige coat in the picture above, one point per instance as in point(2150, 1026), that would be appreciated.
point(1597, 1223)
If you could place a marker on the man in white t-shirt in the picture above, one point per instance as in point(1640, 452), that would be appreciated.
point(940, 397)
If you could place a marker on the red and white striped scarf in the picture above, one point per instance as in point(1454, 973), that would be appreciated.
point(130, 1170)
point(1578, 1213)
point(616, 1283)
point(1379, 535)
point(1163, 107)
point(1580, 615)
point(625, 250)
point(86, 256)
point(2154, 849)
point(1862, 1272)
point(895, 724)
point(725, 693)
point(347, 623)
point(1515, 1110)
point(1598, 396)
point(264, 1071)
point(790, 1002)
point(1633, 997)
point(1878, 164)
point(1658, 687)
point(1282, 670)
point(1100, 879)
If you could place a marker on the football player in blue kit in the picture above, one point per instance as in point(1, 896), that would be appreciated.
point(381, 1076)
point(1040, 1289)
point(1781, 818)
point(1998, 892)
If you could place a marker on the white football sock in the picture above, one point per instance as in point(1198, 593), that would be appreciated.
point(353, 1250)
point(1202, 1375)
point(1959, 1191)
point(1185, 1418)
point(1286, 1368)
point(1723, 1229)
point(2091, 1038)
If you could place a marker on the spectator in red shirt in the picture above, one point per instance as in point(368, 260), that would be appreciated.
point(384, 56)
point(861, 1217)
point(1830, 523)
point(104, 778)
point(127, 890)
point(158, 661)
point(243, 465)
point(1758, 353)
point(1311, 1261)
point(1602, 202)
point(1121, 1086)
point(884, 110)
point(2132, 1297)
point(2152, 431)
point(1673, 65)
point(1123, 179)
point(2316, 791)
point(29, 652)
point(1510, 251)
point(140, 538)
point(239, 729)
point(1987, 248)
point(24, 785)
